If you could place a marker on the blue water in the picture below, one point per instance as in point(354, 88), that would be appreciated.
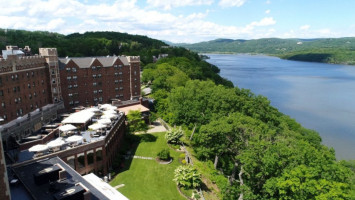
point(319, 96)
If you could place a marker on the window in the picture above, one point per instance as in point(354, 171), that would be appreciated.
point(68, 69)
point(30, 96)
point(94, 75)
point(95, 91)
point(81, 160)
point(120, 73)
point(120, 66)
point(35, 94)
point(53, 80)
point(70, 86)
point(115, 66)
point(71, 161)
point(15, 100)
point(16, 76)
point(76, 102)
point(73, 69)
point(117, 95)
point(99, 75)
point(75, 77)
point(135, 72)
point(27, 74)
point(3, 105)
point(98, 154)
point(100, 91)
point(5, 116)
point(93, 67)
point(70, 94)
point(29, 85)
point(68, 77)
point(121, 88)
point(1, 92)
point(116, 81)
point(121, 81)
point(94, 84)
point(116, 88)
point(34, 84)
point(95, 99)
point(19, 99)
point(75, 85)
point(43, 91)
point(100, 98)
point(42, 82)
point(33, 74)
point(71, 102)
point(14, 89)
point(13, 77)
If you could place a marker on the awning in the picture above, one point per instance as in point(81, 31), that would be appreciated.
point(80, 117)
point(138, 107)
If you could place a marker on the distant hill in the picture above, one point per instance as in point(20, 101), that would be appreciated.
point(89, 43)
point(329, 50)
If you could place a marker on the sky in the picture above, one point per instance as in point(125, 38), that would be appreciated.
point(185, 21)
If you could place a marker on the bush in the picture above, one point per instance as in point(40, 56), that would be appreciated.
point(164, 154)
point(187, 176)
point(173, 136)
point(182, 156)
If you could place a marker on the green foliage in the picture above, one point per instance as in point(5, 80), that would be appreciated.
point(164, 154)
point(173, 136)
point(135, 121)
point(188, 177)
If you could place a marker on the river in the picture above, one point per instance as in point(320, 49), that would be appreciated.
point(319, 96)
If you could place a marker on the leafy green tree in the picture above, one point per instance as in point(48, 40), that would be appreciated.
point(135, 121)
point(187, 176)
point(173, 136)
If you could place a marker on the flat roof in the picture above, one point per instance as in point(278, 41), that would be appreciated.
point(27, 173)
point(138, 107)
point(104, 187)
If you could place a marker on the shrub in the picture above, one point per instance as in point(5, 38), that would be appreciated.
point(173, 136)
point(164, 154)
point(187, 176)
point(182, 156)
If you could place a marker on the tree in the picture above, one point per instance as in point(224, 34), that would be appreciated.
point(174, 135)
point(135, 121)
point(187, 176)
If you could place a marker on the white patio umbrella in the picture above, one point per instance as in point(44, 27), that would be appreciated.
point(104, 121)
point(97, 126)
point(108, 116)
point(38, 147)
point(93, 109)
point(55, 143)
point(74, 138)
point(109, 112)
point(67, 127)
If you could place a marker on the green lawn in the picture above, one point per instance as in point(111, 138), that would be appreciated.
point(147, 179)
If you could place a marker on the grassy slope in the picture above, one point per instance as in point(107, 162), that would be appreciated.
point(147, 179)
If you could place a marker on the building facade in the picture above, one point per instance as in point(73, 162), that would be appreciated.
point(91, 81)
point(24, 85)
point(4, 184)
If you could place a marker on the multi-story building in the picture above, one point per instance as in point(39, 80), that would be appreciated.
point(91, 81)
point(4, 184)
point(24, 84)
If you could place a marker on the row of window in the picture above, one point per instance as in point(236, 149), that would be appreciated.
point(16, 76)
point(90, 156)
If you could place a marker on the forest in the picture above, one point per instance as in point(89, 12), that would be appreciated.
point(247, 147)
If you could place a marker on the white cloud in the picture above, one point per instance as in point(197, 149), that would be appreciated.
point(267, 21)
point(268, 2)
point(231, 3)
point(305, 27)
point(168, 4)
point(267, 11)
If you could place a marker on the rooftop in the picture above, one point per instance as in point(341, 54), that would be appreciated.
point(54, 179)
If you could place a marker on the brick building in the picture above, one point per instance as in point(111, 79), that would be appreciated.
point(4, 184)
point(91, 81)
